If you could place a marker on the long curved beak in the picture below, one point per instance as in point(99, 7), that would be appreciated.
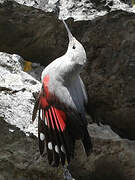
point(70, 36)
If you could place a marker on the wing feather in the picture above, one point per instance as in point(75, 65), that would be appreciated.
point(61, 121)
point(52, 143)
point(40, 131)
point(58, 137)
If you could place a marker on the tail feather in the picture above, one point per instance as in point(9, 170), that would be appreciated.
point(87, 142)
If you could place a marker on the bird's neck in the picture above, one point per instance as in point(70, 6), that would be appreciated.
point(70, 68)
point(76, 58)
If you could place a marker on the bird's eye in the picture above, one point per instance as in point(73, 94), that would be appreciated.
point(73, 47)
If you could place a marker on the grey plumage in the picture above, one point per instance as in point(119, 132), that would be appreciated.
point(64, 75)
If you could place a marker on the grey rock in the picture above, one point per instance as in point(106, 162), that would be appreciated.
point(16, 88)
point(112, 157)
point(19, 157)
point(79, 9)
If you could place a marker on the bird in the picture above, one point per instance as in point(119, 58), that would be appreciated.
point(61, 106)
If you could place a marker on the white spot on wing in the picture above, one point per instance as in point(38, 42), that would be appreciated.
point(45, 121)
point(50, 145)
point(42, 136)
point(56, 149)
point(41, 114)
point(62, 149)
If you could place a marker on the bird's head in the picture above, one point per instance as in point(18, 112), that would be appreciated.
point(75, 48)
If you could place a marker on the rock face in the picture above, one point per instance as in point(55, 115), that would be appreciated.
point(109, 73)
point(112, 157)
point(31, 32)
point(16, 88)
point(109, 77)
point(80, 9)
point(19, 155)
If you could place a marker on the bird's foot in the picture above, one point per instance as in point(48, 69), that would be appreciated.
point(67, 174)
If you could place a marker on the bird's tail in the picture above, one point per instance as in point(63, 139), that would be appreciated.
point(87, 142)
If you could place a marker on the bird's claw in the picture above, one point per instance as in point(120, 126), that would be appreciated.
point(67, 174)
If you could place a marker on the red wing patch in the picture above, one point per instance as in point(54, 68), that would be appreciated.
point(57, 118)
point(53, 113)
point(43, 102)
point(45, 92)
point(54, 133)
point(57, 128)
point(61, 117)
point(45, 85)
